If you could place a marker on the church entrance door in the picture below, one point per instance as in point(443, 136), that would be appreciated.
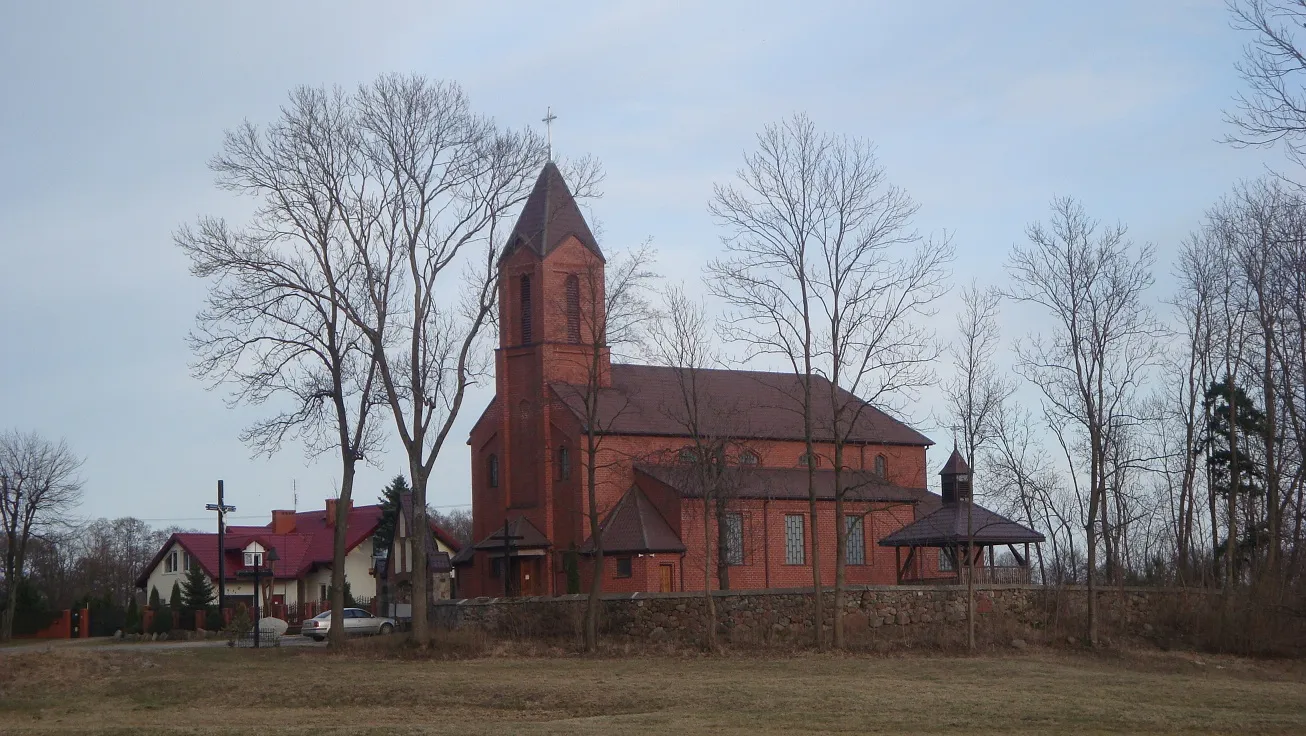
point(668, 581)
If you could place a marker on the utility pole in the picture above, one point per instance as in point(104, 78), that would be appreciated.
point(222, 510)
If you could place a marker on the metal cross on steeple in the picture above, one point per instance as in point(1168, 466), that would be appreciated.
point(548, 119)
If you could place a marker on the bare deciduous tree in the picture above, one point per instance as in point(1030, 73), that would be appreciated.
point(1273, 109)
point(39, 486)
point(429, 212)
point(974, 396)
point(683, 338)
point(824, 273)
point(614, 314)
point(274, 326)
point(1090, 284)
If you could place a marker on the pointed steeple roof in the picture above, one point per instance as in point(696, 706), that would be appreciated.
point(549, 216)
point(956, 464)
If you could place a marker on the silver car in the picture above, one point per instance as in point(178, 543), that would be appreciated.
point(357, 621)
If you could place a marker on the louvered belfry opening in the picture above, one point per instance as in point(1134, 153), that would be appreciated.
point(573, 309)
point(526, 310)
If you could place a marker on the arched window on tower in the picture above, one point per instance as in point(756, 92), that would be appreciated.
point(564, 464)
point(492, 471)
point(573, 309)
point(881, 466)
point(526, 310)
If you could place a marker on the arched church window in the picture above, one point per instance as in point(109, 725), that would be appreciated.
point(806, 460)
point(688, 455)
point(573, 309)
point(748, 457)
point(881, 466)
point(564, 463)
point(492, 471)
point(526, 310)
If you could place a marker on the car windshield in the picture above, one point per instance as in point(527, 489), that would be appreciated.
point(322, 616)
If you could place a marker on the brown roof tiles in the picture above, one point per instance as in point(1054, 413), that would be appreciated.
point(645, 400)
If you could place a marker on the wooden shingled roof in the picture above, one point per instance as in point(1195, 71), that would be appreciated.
point(948, 526)
point(644, 399)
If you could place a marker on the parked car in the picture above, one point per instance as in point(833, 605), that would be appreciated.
point(357, 621)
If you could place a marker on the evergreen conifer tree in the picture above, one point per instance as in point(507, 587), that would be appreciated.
point(196, 591)
point(155, 602)
point(174, 600)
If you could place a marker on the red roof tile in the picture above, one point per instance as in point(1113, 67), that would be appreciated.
point(311, 544)
point(646, 400)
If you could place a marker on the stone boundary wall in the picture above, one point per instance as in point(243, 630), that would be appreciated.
point(924, 613)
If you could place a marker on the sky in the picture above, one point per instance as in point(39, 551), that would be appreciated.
point(109, 112)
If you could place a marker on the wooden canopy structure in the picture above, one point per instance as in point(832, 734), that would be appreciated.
point(962, 530)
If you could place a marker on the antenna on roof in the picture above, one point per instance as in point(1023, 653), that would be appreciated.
point(294, 486)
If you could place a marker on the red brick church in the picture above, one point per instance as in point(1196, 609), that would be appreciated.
point(529, 467)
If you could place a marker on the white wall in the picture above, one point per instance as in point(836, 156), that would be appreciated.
point(358, 565)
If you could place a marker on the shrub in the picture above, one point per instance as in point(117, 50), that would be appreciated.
point(132, 621)
point(241, 624)
point(213, 619)
point(162, 622)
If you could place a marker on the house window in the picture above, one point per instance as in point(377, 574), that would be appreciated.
point(492, 471)
point(881, 466)
point(748, 457)
point(623, 567)
point(187, 562)
point(945, 560)
point(794, 546)
point(855, 549)
point(170, 562)
point(564, 463)
point(526, 310)
point(734, 539)
point(324, 593)
point(573, 309)
point(805, 460)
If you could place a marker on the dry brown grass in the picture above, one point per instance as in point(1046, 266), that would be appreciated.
point(314, 691)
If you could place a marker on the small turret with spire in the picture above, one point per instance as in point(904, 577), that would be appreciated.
point(955, 478)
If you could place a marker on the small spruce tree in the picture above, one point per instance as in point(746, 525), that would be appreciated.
point(174, 599)
point(154, 598)
point(197, 591)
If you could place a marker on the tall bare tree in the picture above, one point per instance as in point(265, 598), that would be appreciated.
point(429, 212)
point(824, 273)
point(974, 396)
point(274, 326)
point(614, 315)
point(1273, 108)
point(39, 487)
point(1089, 282)
point(683, 338)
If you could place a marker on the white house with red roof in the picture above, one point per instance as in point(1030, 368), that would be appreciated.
point(304, 545)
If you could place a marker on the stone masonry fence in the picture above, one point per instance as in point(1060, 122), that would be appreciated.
point(874, 616)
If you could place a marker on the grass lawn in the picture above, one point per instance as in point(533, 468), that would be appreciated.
point(220, 690)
